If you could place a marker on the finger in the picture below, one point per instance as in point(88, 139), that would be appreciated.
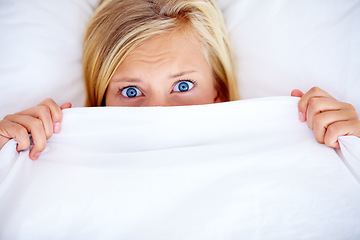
point(43, 113)
point(65, 105)
point(318, 105)
point(322, 121)
point(341, 128)
point(304, 101)
point(55, 113)
point(50, 113)
point(297, 93)
point(57, 126)
point(55, 110)
point(34, 126)
point(9, 130)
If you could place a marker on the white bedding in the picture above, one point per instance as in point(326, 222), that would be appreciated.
point(239, 170)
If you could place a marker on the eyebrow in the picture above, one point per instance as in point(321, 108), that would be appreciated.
point(176, 75)
point(126, 79)
point(180, 74)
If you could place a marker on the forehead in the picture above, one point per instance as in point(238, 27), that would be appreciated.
point(180, 44)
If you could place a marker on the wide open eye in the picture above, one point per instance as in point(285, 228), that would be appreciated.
point(131, 92)
point(183, 86)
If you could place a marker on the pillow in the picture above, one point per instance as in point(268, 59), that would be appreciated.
point(287, 44)
point(41, 45)
point(278, 46)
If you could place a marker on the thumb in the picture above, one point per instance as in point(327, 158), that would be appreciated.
point(297, 93)
point(65, 105)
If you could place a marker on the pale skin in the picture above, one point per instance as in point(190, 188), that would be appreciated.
point(326, 116)
point(41, 121)
point(156, 70)
point(160, 73)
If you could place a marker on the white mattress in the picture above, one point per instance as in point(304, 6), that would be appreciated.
point(239, 170)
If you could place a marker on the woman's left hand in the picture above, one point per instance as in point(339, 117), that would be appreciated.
point(326, 116)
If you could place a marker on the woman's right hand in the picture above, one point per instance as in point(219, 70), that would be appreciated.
point(41, 121)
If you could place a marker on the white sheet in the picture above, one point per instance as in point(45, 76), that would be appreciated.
point(239, 170)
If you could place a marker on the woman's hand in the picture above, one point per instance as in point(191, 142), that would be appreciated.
point(41, 121)
point(328, 117)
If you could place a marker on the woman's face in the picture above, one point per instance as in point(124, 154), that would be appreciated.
point(168, 70)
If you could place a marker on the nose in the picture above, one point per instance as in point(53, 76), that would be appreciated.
point(157, 101)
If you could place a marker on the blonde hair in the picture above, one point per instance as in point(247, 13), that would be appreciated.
point(118, 26)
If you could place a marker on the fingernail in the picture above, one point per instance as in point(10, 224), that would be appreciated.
point(301, 117)
point(57, 127)
point(36, 156)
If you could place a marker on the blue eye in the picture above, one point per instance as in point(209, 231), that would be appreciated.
point(183, 86)
point(131, 92)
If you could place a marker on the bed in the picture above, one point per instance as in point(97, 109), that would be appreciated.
point(239, 170)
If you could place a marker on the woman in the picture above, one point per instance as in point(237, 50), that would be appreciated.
point(164, 53)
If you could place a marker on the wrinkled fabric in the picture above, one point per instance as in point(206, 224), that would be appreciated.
point(239, 170)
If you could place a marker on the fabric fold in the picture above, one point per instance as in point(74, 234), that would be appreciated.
point(246, 169)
